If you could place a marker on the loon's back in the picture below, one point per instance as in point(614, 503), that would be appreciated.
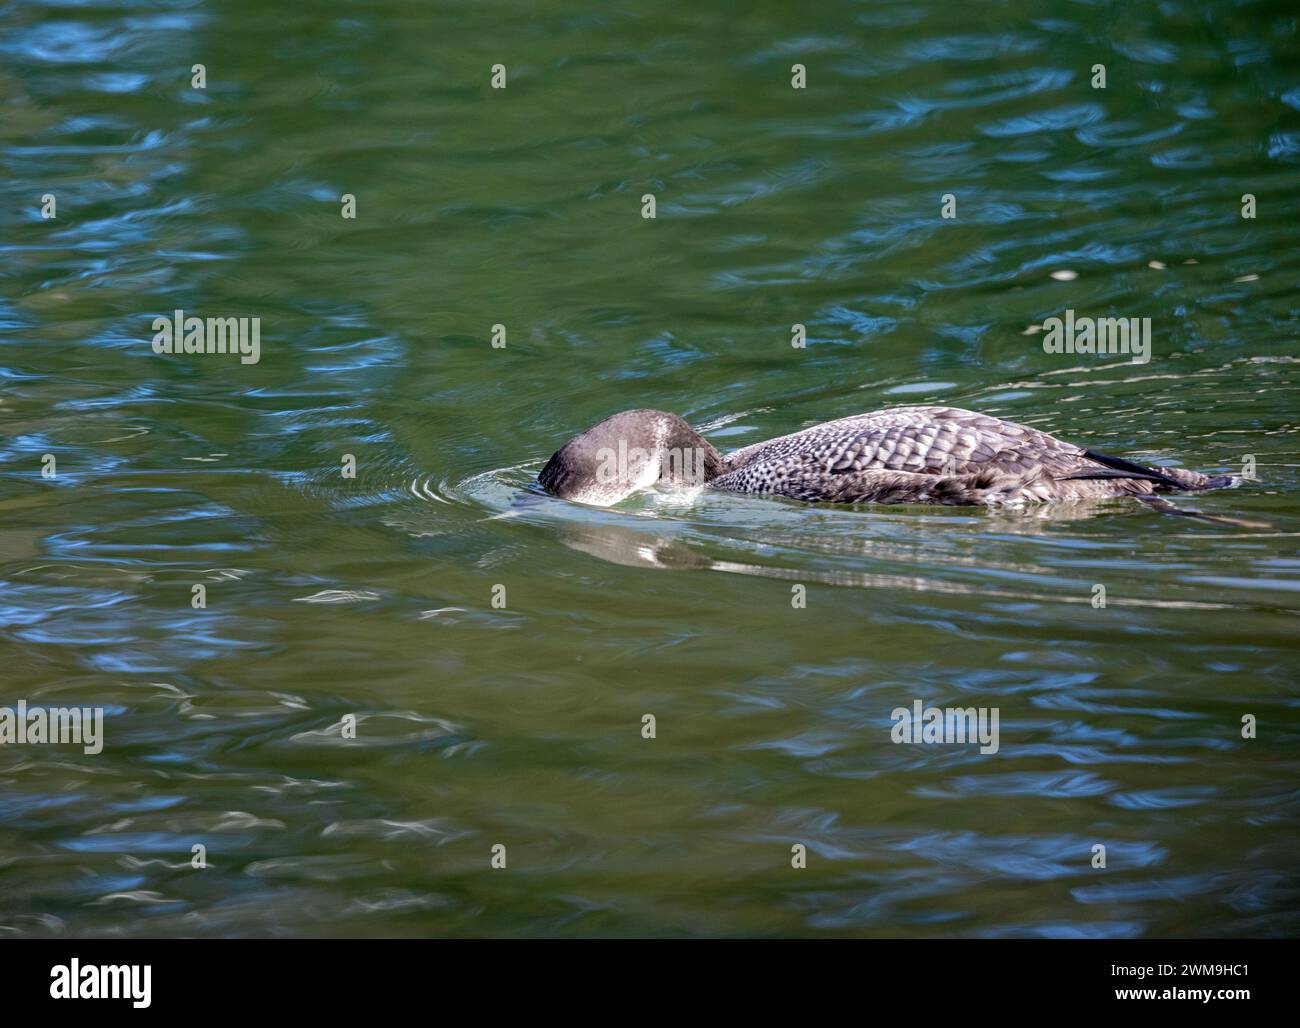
point(939, 455)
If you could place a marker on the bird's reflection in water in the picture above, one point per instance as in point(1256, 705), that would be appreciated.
point(633, 547)
point(620, 545)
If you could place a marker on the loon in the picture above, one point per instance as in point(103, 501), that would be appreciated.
point(934, 455)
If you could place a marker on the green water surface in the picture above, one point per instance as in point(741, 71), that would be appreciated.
point(520, 725)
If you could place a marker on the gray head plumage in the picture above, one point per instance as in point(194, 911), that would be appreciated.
point(628, 452)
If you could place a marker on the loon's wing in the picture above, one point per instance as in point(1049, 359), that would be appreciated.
point(940, 455)
point(933, 440)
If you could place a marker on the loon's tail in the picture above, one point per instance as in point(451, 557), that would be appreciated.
point(1164, 479)
point(1168, 480)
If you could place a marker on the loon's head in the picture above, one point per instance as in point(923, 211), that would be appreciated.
point(628, 452)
